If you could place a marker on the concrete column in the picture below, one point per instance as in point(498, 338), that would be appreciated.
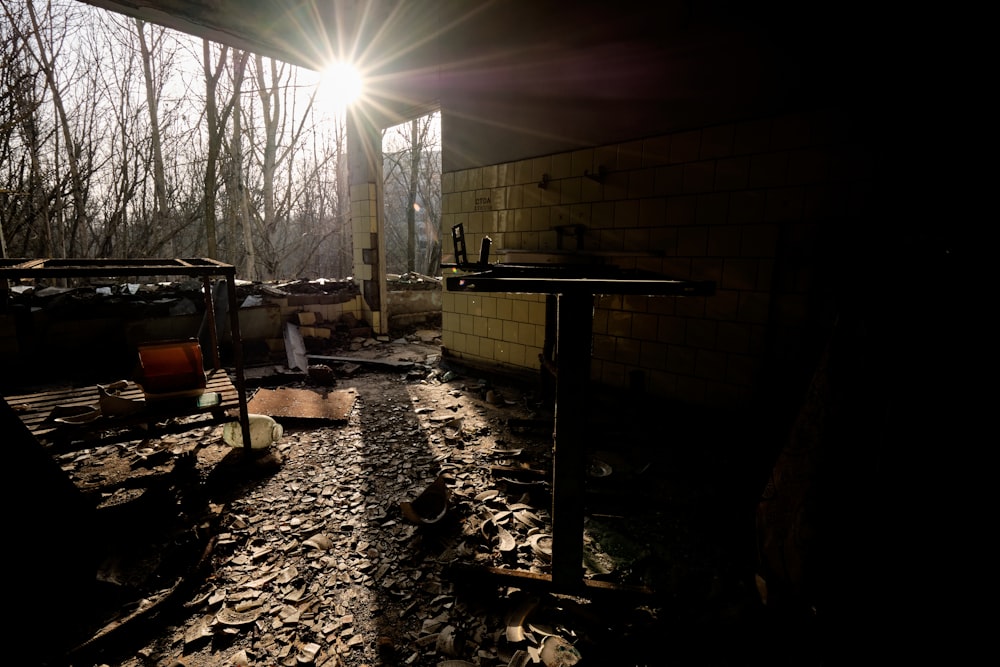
point(364, 154)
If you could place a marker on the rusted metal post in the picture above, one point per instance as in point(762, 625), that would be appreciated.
point(209, 321)
point(234, 328)
point(575, 318)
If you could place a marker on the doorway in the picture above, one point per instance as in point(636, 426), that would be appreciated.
point(411, 187)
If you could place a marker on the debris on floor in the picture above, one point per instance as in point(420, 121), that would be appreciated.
point(347, 554)
point(333, 406)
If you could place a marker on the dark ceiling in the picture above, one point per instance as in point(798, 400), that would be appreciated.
point(418, 53)
point(304, 32)
point(393, 33)
point(387, 36)
point(518, 78)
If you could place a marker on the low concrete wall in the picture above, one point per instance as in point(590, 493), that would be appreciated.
point(414, 306)
point(41, 346)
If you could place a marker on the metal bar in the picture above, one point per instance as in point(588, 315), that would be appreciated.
point(537, 581)
point(575, 319)
point(583, 286)
point(209, 321)
point(234, 328)
point(458, 240)
point(85, 267)
point(574, 289)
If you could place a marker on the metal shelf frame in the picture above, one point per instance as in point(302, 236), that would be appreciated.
point(197, 267)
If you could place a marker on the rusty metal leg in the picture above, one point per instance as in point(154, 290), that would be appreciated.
point(209, 321)
point(241, 388)
point(573, 345)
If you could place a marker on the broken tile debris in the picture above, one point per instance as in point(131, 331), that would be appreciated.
point(340, 553)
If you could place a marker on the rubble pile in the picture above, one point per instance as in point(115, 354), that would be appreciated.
point(368, 543)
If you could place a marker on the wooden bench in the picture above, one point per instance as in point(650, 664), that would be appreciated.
point(154, 417)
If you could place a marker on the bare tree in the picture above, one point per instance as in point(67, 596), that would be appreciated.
point(116, 134)
point(416, 149)
point(268, 92)
point(168, 203)
point(152, 105)
point(106, 149)
point(412, 186)
point(342, 233)
point(121, 147)
point(237, 195)
point(321, 244)
point(283, 127)
point(47, 38)
point(216, 120)
point(127, 185)
point(22, 192)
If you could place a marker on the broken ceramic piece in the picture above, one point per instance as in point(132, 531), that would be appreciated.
point(598, 468)
point(198, 630)
point(228, 616)
point(264, 432)
point(308, 653)
point(541, 545)
point(319, 541)
point(448, 642)
point(114, 405)
point(516, 618)
point(558, 652)
point(519, 659)
point(509, 452)
point(74, 415)
point(506, 539)
point(527, 518)
point(430, 506)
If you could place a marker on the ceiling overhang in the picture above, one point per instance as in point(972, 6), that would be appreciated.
point(417, 54)
point(536, 76)
point(308, 33)
point(388, 40)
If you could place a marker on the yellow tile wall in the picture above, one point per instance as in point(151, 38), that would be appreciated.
point(721, 203)
point(364, 221)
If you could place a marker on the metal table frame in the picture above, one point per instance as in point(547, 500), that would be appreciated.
point(204, 268)
point(574, 289)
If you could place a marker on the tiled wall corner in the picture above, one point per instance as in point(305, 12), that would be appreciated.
point(738, 204)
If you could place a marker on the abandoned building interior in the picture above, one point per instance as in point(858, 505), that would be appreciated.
point(684, 218)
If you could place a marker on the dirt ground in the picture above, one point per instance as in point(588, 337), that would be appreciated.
point(331, 548)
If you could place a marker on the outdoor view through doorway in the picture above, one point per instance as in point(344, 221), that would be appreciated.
point(411, 178)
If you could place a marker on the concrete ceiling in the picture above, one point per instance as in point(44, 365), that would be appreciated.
point(387, 38)
point(529, 77)
point(304, 32)
point(413, 53)
point(392, 34)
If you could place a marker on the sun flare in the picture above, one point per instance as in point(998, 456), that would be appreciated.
point(340, 85)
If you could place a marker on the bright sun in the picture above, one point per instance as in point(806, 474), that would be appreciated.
point(340, 85)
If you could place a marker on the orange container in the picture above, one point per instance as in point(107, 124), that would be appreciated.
point(169, 369)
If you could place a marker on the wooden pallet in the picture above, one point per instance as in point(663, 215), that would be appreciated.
point(156, 417)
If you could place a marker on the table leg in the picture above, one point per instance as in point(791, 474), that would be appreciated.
point(574, 321)
point(234, 328)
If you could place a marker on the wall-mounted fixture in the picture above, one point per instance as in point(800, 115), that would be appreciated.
point(575, 230)
point(544, 183)
point(597, 176)
point(461, 257)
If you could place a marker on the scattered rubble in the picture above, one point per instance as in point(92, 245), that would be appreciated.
point(367, 541)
